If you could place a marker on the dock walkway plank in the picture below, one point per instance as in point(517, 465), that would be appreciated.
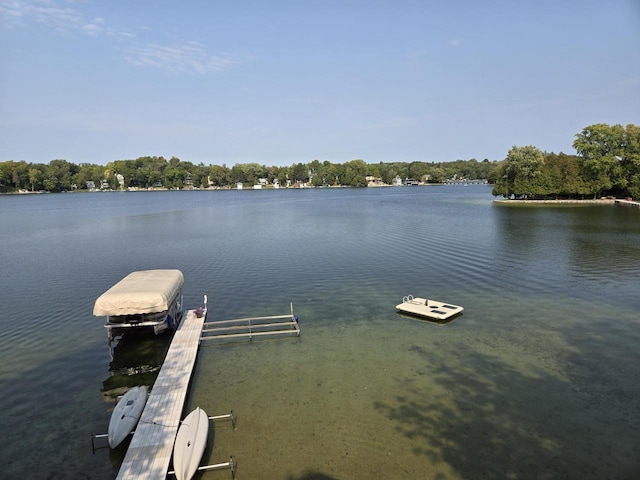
point(149, 453)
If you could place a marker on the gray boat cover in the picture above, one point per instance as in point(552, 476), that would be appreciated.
point(147, 291)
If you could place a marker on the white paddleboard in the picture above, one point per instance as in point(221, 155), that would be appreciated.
point(126, 415)
point(190, 444)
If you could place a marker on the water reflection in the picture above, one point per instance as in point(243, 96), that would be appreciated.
point(137, 359)
point(440, 323)
point(581, 250)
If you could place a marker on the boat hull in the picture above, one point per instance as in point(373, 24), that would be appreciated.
point(126, 415)
point(190, 444)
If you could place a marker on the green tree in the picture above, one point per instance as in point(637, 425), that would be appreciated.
point(128, 169)
point(417, 170)
point(437, 175)
point(219, 175)
point(330, 173)
point(6, 175)
point(35, 177)
point(493, 173)
point(63, 171)
point(299, 173)
point(87, 172)
point(19, 174)
point(572, 184)
point(173, 177)
point(386, 173)
point(150, 171)
point(631, 159)
point(602, 149)
point(519, 172)
point(355, 173)
point(237, 174)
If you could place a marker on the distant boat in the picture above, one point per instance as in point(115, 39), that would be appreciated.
point(126, 415)
point(426, 308)
point(190, 444)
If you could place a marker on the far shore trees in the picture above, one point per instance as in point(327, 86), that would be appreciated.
point(607, 163)
point(158, 172)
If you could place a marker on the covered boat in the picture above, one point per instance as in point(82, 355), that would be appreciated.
point(148, 300)
point(431, 309)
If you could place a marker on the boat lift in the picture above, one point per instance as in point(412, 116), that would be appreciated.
point(231, 465)
point(251, 327)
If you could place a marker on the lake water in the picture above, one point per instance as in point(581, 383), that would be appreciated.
point(539, 378)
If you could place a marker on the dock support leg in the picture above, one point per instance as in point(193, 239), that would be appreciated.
point(229, 416)
point(220, 466)
point(93, 437)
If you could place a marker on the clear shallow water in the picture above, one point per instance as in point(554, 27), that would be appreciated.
point(538, 379)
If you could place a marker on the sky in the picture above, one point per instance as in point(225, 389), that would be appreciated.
point(281, 82)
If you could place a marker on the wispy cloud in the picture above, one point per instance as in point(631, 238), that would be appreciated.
point(187, 57)
point(51, 14)
point(17, 13)
point(179, 57)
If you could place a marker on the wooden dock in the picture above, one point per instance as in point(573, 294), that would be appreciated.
point(149, 453)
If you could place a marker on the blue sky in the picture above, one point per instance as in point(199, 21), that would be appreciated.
point(281, 82)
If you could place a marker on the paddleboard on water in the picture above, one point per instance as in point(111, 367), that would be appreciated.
point(126, 415)
point(190, 444)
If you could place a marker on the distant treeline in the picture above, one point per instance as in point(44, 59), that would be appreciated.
point(158, 172)
point(607, 163)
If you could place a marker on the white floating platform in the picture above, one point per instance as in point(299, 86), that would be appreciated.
point(426, 308)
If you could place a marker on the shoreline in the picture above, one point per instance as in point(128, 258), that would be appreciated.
point(606, 201)
point(602, 201)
